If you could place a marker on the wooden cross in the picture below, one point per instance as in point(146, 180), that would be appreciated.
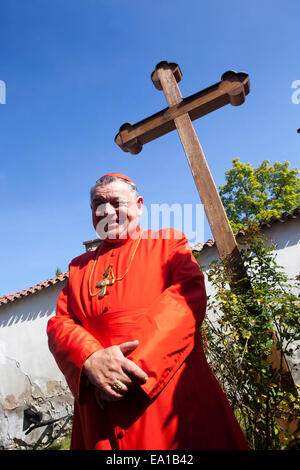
point(179, 115)
point(232, 88)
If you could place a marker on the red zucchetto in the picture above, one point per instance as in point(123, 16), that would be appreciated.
point(117, 175)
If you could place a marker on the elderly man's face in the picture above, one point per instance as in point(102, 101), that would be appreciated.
point(115, 210)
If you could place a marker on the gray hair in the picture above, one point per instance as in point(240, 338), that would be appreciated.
point(110, 179)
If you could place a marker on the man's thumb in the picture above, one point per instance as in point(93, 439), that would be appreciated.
point(128, 347)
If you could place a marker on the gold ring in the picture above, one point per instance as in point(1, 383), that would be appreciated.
point(117, 386)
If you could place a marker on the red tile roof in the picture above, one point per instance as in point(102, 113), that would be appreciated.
point(285, 216)
point(32, 290)
point(198, 247)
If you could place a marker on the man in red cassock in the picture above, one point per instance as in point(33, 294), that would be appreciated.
point(126, 335)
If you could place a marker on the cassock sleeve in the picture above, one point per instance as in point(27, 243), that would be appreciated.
point(174, 319)
point(70, 343)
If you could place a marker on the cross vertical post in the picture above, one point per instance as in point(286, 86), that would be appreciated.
point(213, 206)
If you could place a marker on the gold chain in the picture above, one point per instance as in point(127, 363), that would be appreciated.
point(92, 271)
point(109, 270)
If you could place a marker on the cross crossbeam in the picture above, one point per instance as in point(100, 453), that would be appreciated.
point(232, 89)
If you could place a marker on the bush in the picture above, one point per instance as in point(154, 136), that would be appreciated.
point(244, 330)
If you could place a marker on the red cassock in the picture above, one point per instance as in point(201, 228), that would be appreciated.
point(161, 301)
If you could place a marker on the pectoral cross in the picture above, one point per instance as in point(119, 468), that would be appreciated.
point(105, 282)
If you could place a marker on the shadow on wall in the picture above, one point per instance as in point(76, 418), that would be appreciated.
point(32, 307)
point(284, 235)
point(34, 419)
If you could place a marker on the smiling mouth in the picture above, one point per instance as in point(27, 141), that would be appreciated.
point(108, 221)
point(113, 222)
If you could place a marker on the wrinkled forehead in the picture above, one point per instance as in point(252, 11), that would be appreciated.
point(115, 189)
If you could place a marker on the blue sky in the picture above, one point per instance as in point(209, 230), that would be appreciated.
point(76, 70)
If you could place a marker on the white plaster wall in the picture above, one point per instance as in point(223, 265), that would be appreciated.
point(286, 236)
point(23, 337)
point(28, 371)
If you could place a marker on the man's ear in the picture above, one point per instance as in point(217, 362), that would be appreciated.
point(139, 205)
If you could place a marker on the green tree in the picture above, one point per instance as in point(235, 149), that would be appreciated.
point(257, 194)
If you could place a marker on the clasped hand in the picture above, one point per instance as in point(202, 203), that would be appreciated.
point(109, 366)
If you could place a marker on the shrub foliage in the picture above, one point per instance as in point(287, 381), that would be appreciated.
point(243, 329)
